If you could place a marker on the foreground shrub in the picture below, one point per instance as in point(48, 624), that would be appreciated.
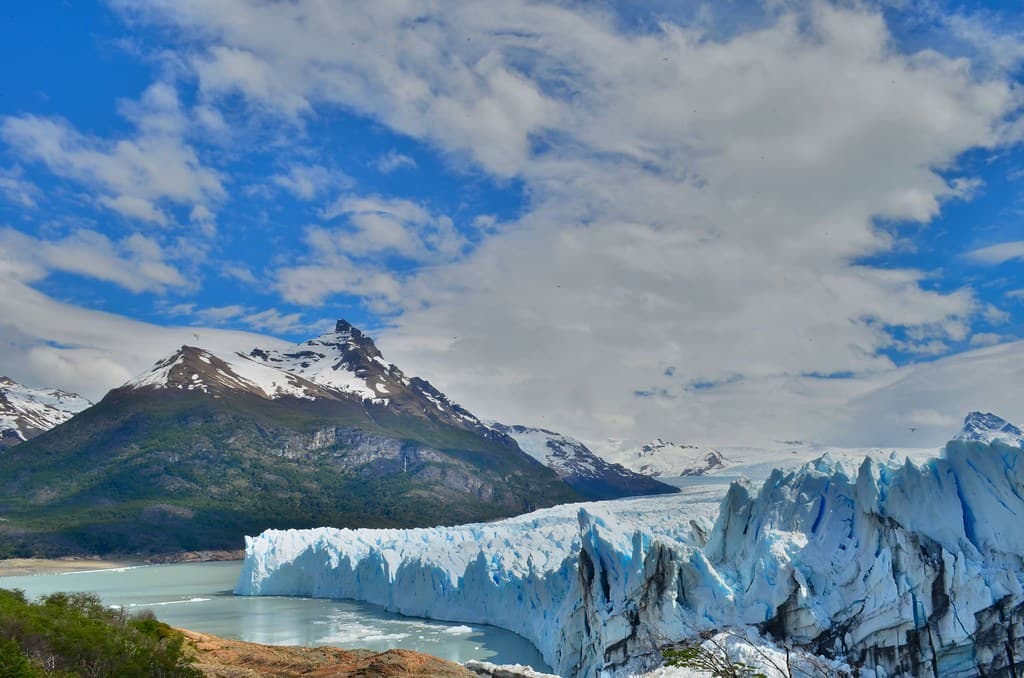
point(74, 634)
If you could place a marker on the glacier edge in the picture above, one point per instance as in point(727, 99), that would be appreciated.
point(908, 568)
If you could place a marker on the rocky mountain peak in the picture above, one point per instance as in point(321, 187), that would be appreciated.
point(986, 427)
point(26, 412)
point(343, 364)
point(351, 340)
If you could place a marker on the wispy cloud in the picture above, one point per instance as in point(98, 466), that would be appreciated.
point(354, 258)
point(393, 161)
point(267, 320)
point(136, 262)
point(997, 254)
point(133, 174)
point(309, 181)
point(18, 190)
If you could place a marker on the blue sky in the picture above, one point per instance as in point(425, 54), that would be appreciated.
point(80, 63)
point(568, 214)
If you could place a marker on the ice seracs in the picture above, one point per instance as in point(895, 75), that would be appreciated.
point(26, 412)
point(901, 568)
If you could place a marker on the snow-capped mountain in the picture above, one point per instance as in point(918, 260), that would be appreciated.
point(581, 469)
point(26, 412)
point(896, 568)
point(345, 365)
point(664, 458)
point(208, 446)
point(341, 365)
point(986, 427)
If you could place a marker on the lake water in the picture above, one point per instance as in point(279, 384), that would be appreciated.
point(198, 596)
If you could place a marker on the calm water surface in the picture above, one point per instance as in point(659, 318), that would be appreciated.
point(198, 596)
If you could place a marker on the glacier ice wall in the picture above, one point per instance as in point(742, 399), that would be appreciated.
point(913, 569)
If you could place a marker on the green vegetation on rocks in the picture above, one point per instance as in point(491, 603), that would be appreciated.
point(147, 472)
point(76, 635)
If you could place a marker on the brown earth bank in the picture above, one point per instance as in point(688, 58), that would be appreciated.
point(196, 556)
point(223, 658)
point(16, 567)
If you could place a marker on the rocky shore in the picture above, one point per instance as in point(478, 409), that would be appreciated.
point(224, 658)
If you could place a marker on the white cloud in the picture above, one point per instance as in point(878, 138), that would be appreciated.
point(393, 161)
point(987, 339)
point(272, 320)
point(695, 199)
point(267, 320)
point(133, 174)
point(49, 343)
point(134, 208)
point(985, 379)
point(218, 314)
point(136, 263)
point(15, 189)
point(427, 74)
point(353, 258)
point(308, 181)
point(997, 254)
point(239, 272)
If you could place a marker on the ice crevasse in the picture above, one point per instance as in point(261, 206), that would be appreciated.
point(907, 569)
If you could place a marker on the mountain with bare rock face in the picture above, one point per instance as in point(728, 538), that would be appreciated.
point(208, 446)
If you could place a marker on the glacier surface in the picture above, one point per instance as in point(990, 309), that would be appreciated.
point(909, 568)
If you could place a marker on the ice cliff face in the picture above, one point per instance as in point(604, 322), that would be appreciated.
point(907, 569)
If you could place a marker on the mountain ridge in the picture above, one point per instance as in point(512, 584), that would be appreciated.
point(588, 473)
point(206, 447)
point(26, 412)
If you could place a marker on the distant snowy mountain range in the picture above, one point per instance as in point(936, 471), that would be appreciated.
point(663, 458)
point(26, 412)
point(584, 471)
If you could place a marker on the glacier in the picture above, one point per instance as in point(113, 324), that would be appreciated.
point(905, 568)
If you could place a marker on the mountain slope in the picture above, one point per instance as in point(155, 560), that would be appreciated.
point(208, 447)
point(26, 412)
point(581, 469)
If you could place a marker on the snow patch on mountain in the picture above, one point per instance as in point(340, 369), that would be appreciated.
point(196, 369)
point(331, 360)
point(587, 473)
point(902, 567)
point(26, 412)
point(343, 363)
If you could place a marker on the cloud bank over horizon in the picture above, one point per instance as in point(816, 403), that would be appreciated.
point(790, 221)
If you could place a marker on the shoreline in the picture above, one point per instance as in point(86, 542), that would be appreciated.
point(22, 567)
